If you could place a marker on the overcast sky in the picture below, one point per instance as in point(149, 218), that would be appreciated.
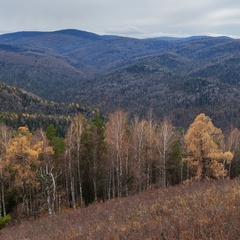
point(133, 18)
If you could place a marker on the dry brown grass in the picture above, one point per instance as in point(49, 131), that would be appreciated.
point(201, 210)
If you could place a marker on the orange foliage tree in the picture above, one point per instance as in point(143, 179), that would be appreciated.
point(22, 163)
point(204, 149)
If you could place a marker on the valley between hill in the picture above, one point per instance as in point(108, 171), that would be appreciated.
point(177, 78)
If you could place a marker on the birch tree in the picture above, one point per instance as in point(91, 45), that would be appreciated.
point(5, 137)
point(78, 125)
point(116, 134)
point(46, 174)
point(164, 139)
point(139, 157)
point(69, 167)
point(233, 145)
point(150, 148)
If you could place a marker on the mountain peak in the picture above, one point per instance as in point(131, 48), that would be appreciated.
point(71, 32)
point(79, 33)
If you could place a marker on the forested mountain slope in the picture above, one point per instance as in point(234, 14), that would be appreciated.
point(20, 108)
point(177, 78)
point(168, 94)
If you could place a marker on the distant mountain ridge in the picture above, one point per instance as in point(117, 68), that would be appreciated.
point(185, 39)
point(176, 77)
point(70, 32)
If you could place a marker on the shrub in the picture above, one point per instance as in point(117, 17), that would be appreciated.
point(4, 221)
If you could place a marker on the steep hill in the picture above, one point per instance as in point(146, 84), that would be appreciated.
point(201, 210)
point(148, 85)
point(176, 77)
point(59, 41)
point(19, 108)
point(36, 71)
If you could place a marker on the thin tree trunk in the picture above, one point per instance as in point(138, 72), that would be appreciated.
point(120, 175)
point(54, 191)
point(164, 171)
point(79, 133)
point(126, 183)
point(73, 193)
point(95, 189)
point(95, 170)
point(181, 173)
point(229, 169)
point(109, 184)
point(3, 206)
point(188, 171)
point(72, 183)
point(67, 184)
point(113, 182)
point(72, 187)
point(49, 201)
point(59, 203)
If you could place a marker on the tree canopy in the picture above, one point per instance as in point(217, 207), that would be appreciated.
point(205, 149)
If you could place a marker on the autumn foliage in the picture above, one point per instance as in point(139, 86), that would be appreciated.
point(205, 149)
point(43, 174)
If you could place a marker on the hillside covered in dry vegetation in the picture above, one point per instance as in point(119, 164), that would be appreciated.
point(200, 210)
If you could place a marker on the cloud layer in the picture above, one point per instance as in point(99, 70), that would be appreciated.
point(135, 18)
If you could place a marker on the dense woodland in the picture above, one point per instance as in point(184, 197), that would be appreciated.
point(178, 78)
point(20, 108)
point(173, 177)
point(97, 161)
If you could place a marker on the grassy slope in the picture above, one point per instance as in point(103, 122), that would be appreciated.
point(209, 210)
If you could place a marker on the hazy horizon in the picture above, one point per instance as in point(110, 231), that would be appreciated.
point(145, 19)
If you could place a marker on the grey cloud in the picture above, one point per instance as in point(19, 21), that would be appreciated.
point(133, 18)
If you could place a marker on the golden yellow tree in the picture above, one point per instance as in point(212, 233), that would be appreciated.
point(21, 157)
point(204, 150)
point(22, 161)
